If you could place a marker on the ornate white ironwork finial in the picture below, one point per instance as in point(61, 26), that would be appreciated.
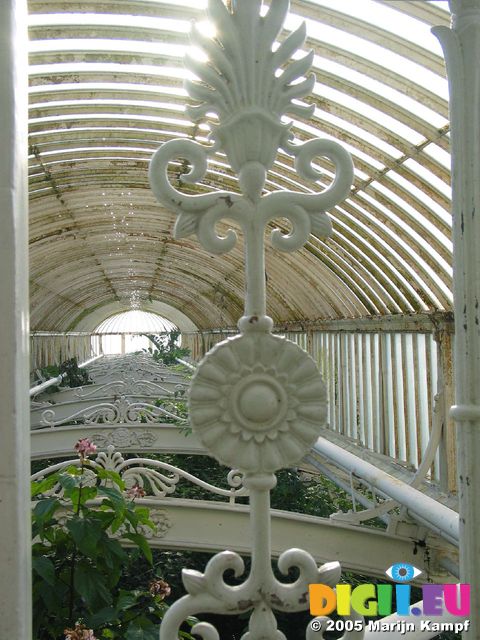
point(247, 85)
point(257, 401)
point(241, 83)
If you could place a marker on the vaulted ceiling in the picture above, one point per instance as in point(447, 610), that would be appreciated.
point(106, 90)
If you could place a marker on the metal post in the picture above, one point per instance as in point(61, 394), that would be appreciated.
point(15, 579)
point(264, 426)
point(448, 458)
point(461, 46)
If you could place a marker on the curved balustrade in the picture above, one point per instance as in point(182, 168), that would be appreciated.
point(132, 367)
point(122, 410)
point(154, 476)
point(131, 411)
point(136, 387)
point(40, 387)
point(55, 442)
point(121, 414)
point(226, 522)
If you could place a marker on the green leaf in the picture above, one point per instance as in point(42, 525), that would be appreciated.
point(106, 474)
point(89, 493)
point(53, 598)
point(44, 510)
point(107, 615)
point(104, 515)
point(80, 495)
point(90, 585)
point(45, 569)
point(117, 522)
point(40, 549)
point(58, 537)
point(142, 629)
point(41, 486)
point(69, 481)
point(126, 600)
point(112, 553)
point(115, 498)
point(132, 517)
point(143, 515)
point(142, 543)
point(139, 515)
point(86, 533)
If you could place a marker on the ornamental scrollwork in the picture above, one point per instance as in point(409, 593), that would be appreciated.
point(156, 478)
point(256, 401)
point(123, 438)
point(120, 411)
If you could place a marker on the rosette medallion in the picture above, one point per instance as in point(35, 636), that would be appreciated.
point(257, 402)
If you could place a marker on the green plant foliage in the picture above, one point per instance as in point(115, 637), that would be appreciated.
point(295, 491)
point(50, 371)
point(74, 376)
point(79, 565)
point(167, 351)
point(111, 585)
point(179, 408)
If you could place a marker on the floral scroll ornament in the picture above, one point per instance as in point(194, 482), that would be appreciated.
point(257, 401)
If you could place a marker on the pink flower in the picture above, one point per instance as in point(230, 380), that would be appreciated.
point(85, 447)
point(136, 491)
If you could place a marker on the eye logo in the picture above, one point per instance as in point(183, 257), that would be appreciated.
point(402, 572)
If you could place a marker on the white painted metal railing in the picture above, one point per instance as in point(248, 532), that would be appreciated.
point(387, 390)
point(160, 477)
point(381, 389)
point(121, 411)
point(257, 401)
point(430, 512)
point(220, 514)
point(51, 347)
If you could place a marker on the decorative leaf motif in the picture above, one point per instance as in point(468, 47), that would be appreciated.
point(329, 573)
point(263, 625)
point(242, 68)
point(193, 581)
point(271, 400)
point(246, 83)
point(321, 225)
point(186, 225)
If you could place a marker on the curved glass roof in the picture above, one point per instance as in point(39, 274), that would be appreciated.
point(135, 321)
point(106, 89)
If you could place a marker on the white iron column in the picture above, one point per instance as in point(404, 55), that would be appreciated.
point(461, 45)
point(15, 600)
